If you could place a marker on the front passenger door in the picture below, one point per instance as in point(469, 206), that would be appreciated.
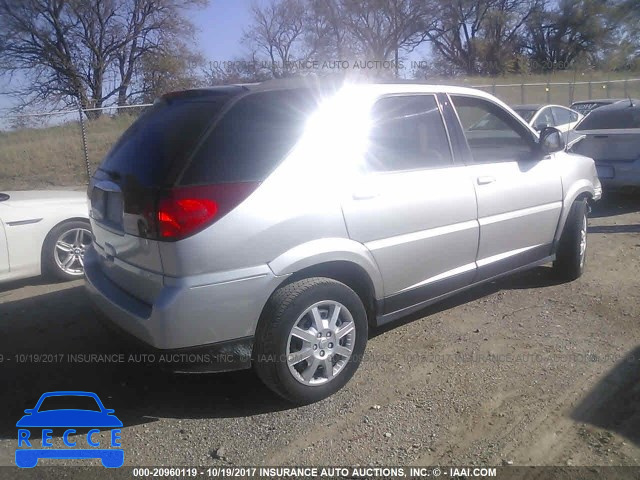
point(413, 207)
point(519, 189)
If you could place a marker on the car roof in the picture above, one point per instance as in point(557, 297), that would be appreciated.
point(620, 106)
point(528, 106)
point(367, 86)
point(600, 100)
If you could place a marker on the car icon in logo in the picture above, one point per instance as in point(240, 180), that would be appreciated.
point(90, 413)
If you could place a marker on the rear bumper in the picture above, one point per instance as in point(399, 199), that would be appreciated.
point(618, 175)
point(186, 313)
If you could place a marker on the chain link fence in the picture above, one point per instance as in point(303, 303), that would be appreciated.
point(59, 149)
point(563, 93)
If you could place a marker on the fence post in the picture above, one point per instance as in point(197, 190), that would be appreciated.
point(522, 93)
point(572, 88)
point(590, 96)
point(83, 131)
point(626, 88)
point(493, 89)
point(548, 92)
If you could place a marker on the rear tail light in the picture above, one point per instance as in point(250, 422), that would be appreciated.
point(184, 211)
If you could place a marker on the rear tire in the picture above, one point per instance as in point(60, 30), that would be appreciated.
point(63, 250)
point(310, 339)
point(572, 248)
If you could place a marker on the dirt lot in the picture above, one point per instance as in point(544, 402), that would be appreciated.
point(524, 370)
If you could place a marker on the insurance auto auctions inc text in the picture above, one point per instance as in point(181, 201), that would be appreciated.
point(350, 472)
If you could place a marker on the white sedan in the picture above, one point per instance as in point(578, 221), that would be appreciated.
point(542, 116)
point(43, 232)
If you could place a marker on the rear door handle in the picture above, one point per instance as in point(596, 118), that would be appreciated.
point(486, 180)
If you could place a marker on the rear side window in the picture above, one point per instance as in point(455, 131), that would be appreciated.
point(163, 135)
point(545, 119)
point(492, 134)
point(407, 133)
point(611, 119)
point(562, 115)
point(252, 137)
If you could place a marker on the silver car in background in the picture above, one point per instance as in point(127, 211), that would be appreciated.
point(611, 136)
point(273, 225)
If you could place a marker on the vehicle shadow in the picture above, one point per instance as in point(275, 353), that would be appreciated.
point(537, 277)
point(613, 204)
point(614, 402)
point(27, 282)
point(615, 229)
point(45, 345)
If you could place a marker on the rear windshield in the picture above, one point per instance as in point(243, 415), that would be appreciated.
point(163, 134)
point(606, 119)
point(252, 137)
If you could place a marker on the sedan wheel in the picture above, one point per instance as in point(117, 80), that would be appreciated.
point(70, 248)
point(64, 248)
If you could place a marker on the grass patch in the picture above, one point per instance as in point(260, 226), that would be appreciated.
point(53, 157)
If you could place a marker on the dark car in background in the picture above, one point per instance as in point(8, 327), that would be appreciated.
point(587, 106)
point(611, 136)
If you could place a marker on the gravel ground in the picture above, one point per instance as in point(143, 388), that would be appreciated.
point(524, 371)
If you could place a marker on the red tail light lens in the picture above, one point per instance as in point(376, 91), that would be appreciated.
point(185, 211)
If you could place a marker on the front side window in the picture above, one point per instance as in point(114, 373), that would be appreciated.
point(407, 133)
point(505, 140)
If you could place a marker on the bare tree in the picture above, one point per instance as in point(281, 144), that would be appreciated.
point(562, 33)
point(278, 33)
point(382, 28)
point(83, 51)
point(478, 36)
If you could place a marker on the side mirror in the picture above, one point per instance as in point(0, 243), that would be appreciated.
point(540, 126)
point(29, 411)
point(551, 140)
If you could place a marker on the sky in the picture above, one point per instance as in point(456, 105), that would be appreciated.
point(220, 27)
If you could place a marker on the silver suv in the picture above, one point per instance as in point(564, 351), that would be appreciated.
point(271, 226)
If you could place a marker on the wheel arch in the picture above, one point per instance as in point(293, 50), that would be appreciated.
point(349, 273)
point(582, 191)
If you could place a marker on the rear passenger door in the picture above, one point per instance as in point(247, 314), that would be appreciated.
point(413, 207)
point(519, 189)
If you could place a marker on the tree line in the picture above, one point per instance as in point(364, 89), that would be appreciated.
point(456, 37)
point(99, 52)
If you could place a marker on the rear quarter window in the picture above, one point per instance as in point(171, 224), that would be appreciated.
point(251, 138)
point(161, 137)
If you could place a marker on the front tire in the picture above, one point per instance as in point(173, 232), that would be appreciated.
point(572, 248)
point(63, 250)
point(310, 339)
